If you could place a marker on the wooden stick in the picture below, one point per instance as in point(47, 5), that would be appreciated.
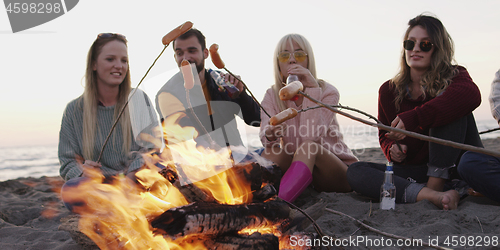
point(353, 109)
point(315, 225)
point(489, 130)
point(482, 231)
point(380, 232)
point(255, 99)
point(126, 103)
point(408, 133)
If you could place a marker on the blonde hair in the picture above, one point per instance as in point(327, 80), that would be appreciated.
point(90, 101)
point(441, 71)
point(278, 77)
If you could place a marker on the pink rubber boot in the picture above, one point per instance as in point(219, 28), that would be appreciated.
point(294, 181)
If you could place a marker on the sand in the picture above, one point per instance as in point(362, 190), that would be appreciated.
point(31, 213)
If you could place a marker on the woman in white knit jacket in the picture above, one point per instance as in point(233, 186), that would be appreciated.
point(308, 148)
point(480, 171)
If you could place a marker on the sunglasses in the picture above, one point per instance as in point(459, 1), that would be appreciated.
point(425, 46)
point(299, 56)
point(108, 35)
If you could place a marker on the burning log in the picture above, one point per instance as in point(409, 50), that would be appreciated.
point(218, 219)
point(261, 179)
point(190, 191)
point(266, 192)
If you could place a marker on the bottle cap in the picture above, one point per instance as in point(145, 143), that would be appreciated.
point(388, 166)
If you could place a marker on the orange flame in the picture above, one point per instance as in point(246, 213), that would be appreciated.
point(117, 215)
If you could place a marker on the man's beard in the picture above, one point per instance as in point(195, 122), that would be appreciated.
point(200, 67)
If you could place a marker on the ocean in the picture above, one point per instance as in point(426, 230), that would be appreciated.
point(37, 161)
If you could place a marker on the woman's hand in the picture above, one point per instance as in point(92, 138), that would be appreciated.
point(90, 167)
point(396, 154)
point(274, 132)
point(396, 123)
point(305, 76)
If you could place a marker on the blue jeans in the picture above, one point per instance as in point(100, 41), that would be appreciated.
point(482, 173)
point(443, 158)
point(366, 178)
point(70, 202)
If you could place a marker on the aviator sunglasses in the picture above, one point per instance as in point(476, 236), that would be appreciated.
point(425, 46)
point(299, 56)
point(108, 35)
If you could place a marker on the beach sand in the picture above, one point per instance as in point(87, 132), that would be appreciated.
point(31, 213)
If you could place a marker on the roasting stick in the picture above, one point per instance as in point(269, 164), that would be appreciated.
point(187, 74)
point(489, 130)
point(167, 39)
point(290, 92)
point(353, 109)
point(293, 90)
point(214, 54)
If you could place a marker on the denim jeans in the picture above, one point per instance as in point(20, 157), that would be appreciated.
point(70, 202)
point(482, 173)
point(442, 158)
point(366, 178)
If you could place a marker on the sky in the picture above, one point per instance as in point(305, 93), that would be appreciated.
point(357, 45)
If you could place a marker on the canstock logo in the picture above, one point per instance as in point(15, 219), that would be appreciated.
point(26, 14)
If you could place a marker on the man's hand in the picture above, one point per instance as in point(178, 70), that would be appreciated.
point(235, 81)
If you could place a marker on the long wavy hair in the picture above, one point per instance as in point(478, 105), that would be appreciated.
point(442, 69)
point(279, 79)
point(90, 101)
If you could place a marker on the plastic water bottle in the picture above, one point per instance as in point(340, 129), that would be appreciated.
point(291, 78)
point(232, 91)
point(388, 190)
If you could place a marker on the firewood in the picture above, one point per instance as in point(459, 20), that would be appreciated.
point(258, 176)
point(266, 192)
point(189, 190)
point(218, 219)
point(251, 172)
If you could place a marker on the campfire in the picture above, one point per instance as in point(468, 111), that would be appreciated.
point(188, 197)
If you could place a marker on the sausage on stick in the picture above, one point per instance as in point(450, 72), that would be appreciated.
point(282, 116)
point(216, 57)
point(290, 90)
point(172, 35)
point(217, 61)
point(187, 73)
